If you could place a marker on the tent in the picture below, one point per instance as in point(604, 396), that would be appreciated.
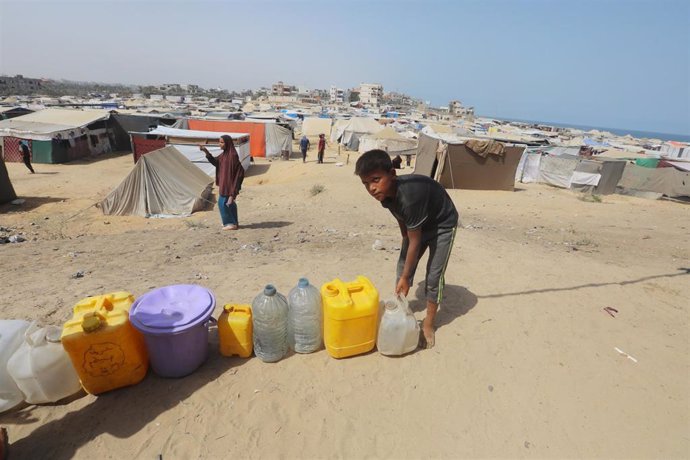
point(163, 183)
point(266, 137)
point(349, 134)
point(665, 181)
point(389, 140)
point(57, 135)
point(6, 189)
point(597, 176)
point(187, 143)
point(313, 126)
point(455, 165)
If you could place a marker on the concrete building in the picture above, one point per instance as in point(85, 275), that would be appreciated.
point(280, 89)
point(19, 85)
point(370, 93)
point(336, 94)
point(456, 108)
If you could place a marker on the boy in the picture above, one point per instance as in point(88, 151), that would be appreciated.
point(427, 218)
point(304, 146)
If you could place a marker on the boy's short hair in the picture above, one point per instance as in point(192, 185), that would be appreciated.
point(373, 160)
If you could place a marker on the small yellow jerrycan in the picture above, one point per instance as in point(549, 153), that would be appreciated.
point(235, 331)
point(350, 316)
point(105, 349)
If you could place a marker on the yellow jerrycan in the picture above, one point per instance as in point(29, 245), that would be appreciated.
point(235, 331)
point(350, 316)
point(106, 350)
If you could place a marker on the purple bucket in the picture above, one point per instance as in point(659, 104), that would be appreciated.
point(174, 321)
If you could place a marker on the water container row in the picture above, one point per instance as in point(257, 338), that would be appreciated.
point(111, 339)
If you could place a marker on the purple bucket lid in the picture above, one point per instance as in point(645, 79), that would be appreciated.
point(172, 309)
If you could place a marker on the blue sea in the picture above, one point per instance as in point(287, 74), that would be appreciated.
point(617, 131)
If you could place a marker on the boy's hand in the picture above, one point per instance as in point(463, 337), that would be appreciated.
point(403, 286)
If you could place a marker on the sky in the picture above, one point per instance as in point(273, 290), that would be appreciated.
point(605, 63)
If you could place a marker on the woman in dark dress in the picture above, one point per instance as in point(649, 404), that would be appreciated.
point(229, 177)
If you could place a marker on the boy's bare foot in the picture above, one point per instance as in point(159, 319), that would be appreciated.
point(230, 227)
point(429, 334)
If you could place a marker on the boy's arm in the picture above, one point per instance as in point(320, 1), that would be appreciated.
point(415, 242)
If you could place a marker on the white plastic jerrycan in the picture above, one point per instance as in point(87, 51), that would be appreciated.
point(41, 368)
point(399, 330)
point(11, 336)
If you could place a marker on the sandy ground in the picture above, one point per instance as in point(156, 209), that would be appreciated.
point(524, 367)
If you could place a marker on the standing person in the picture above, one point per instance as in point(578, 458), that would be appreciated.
point(304, 146)
point(427, 218)
point(26, 154)
point(322, 147)
point(229, 177)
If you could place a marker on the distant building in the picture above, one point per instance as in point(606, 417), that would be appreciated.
point(19, 85)
point(456, 108)
point(370, 93)
point(281, 89)
point(336, 94)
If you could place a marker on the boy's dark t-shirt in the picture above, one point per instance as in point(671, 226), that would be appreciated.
point(422, 203)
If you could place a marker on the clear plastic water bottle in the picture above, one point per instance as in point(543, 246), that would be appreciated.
point(304, 317)
point(269, 319)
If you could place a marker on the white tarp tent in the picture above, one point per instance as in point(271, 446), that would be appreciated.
point(349, 134)
point(187, 141)
point(389, 140)
point(163, 183)
point(313, 126)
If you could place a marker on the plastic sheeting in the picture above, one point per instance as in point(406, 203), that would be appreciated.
point(528, 172)
point(557, 170)
point(162, 183)
point(45, 124)
point(313, 126)
point(198, 158)
point(668, 181)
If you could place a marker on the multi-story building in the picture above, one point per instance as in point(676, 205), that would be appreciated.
point(370, 93)
point(456, 108)
point(281, 89)
point(19, 85)
point(336, 94)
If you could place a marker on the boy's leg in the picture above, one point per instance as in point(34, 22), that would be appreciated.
point(439, 253)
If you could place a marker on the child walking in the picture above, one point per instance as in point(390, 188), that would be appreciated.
point(427, 218)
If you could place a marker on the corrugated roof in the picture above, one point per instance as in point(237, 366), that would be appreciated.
point(44, 123)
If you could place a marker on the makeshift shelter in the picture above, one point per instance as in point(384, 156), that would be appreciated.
point(663, 181)
point(349, 133)
point(6, 190)
point(187, 143)
point(124, 123)
point(163, 183)
point(57, 135)
point(597, 176)
point(468, 165)
point(266, 137)
point(389, 140)
point(313, 126)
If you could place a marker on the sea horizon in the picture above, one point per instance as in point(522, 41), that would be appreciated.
point(639, 134)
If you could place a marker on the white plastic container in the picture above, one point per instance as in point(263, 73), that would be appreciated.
point(305, 317)
point(11, 336)
point(41, 368)
point(269, 321)
point(399, 330)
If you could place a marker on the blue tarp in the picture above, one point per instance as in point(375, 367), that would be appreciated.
point(592, 143)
